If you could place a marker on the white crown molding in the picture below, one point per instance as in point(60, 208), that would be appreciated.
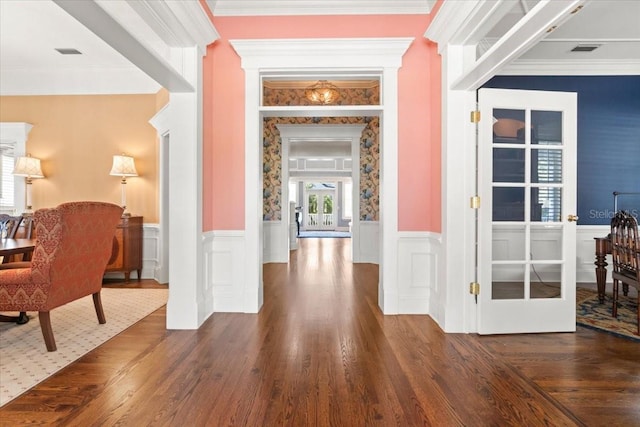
point(450, 21)
point(310, 53)
point(319, 7)
point(178, 23)
point(572, 68)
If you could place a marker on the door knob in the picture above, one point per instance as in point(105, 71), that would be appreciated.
point(572, 218)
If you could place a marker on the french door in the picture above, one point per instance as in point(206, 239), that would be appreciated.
point(320, 210)
point(526, 224)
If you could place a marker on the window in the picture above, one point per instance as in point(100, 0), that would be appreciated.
point(7, 184)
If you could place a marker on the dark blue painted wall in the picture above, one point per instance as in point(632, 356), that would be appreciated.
point(608, 138)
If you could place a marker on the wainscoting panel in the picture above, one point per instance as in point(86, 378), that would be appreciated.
point(224, 269)
point(369, 242)
point(418, 254)
point(276, 242)
point(585, 253)
point(151, 251)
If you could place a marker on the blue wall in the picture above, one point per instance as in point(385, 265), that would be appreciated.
point(608, 138)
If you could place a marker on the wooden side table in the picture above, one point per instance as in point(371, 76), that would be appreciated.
point(127, 247)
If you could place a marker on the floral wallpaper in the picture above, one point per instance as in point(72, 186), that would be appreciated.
point(283, 97)
point(369, 163)
point(369, 148)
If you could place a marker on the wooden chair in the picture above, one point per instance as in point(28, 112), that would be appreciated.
point(11, 224)
point(73, 245)
point(625, 251)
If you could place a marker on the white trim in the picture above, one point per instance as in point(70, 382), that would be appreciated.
point(523, 67)
point(161, 122)
point(314, 56)
point(224, 272)
point(314, 132)
point(177, 23)
point(17, 133)
point(318, 7)
point(585, 253)
point(418, 254)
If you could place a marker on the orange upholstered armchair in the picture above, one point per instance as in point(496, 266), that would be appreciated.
point(73, 245)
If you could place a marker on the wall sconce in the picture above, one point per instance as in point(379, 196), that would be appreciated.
point(28, 167)
point(123, 166)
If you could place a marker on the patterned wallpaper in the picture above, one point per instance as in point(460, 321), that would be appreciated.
point(369, 163)
point(369, 147)
point(283, 97)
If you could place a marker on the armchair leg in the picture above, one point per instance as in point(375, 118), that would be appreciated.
point(47, 332)
point(97, 303)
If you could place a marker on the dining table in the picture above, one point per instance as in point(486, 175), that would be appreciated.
point(10, 247)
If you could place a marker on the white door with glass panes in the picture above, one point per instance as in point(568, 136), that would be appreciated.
point(527, 223)
point(320, 213)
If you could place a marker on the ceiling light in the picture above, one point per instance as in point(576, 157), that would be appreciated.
point(585, 47)
point(322, 92)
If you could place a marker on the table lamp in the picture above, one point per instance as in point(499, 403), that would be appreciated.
point(123, 166)
point(28, 167)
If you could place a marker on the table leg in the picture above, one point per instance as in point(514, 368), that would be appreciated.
point(601, 275)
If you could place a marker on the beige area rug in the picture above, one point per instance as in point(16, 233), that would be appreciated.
point(24, 359)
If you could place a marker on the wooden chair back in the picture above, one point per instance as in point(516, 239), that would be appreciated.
point(625, 251)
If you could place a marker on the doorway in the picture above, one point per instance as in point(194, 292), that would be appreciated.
point(320, 206)
point(381, 58)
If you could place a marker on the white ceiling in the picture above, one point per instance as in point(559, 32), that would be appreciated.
point(31, 30)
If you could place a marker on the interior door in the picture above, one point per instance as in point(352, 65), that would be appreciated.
point(526, 224)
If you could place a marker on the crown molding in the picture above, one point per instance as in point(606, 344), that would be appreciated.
point(310, 53)
point(319, 7)
point(303, 84)
point(179, 23)
point(523, 67)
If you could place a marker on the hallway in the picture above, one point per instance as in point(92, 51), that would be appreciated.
point(320, 353)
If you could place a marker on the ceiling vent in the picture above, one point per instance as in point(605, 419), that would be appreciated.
point(585, 47)
point(68, 51)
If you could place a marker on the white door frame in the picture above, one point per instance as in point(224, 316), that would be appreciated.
point(316, 132)
point(382, 57)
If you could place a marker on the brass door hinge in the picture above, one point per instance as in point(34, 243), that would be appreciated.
point(475, 116)
point(474, 288)
point(475, 202)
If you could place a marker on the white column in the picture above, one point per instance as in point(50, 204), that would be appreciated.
point(254, 238)
point(455, 307)
point(189, 302)
point(388, 285)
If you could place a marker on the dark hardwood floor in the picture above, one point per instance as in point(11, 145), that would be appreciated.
point(320, 353)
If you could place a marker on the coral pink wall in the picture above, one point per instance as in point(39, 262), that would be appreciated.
point(419, 112)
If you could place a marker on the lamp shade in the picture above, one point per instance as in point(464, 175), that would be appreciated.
point(28, 166)
point(123, 166)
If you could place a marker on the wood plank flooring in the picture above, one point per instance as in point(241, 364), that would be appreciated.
point(320, 353)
